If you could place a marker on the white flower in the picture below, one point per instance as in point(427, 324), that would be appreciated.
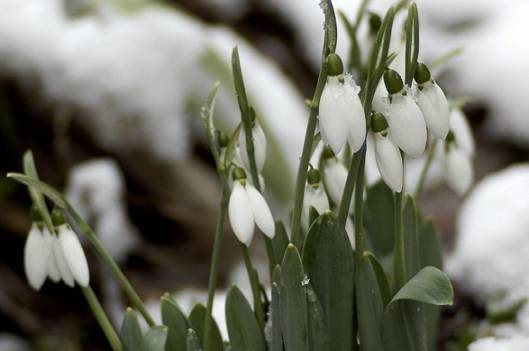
point(462, 132)
point(407, 125)
point(389, 162)
point(459, 172)
point(37, 253)
point(259, 144)
point(74, 256)
point(334, 178)
point(341, 114)
point(380, 101)
point(434, 106)
point(246, 207)
point(316, 197)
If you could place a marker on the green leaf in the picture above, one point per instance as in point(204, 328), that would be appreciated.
point(313, 215)
point(176, 323)
point(44, 188)
point(131, 335)
point(328, 262)
point(318, 331)
point(38, 200)
point(197, 318)
point(276, 343)
point(192, 341)
point(155, 338)
point(206, 114)
point(411, 238)
point(430, 285)
point(243, 329)
point(403, 327)
point(379, 205)
point(279, 242)
point(382, 278)
point(370, 306)
point(293, 302)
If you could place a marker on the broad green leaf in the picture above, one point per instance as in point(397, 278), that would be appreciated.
point(293, 302)
point(192, 341)
point(313, 215)
point(430, 285)
point(369, 305)
point(382, 279)
point(176, 323)
point(243, 329)
point(276, 343)
point(318, 332)
point(378, 219)
point(197, 318)
point(328, 262)
point(155, 338)
point(279, 242)
point(403, 327)
point(131, 335)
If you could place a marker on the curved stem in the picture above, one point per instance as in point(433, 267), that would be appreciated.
point(102, 318)
point(424, 172)
point(352, 176)
point(213, 271)
point(254, 283)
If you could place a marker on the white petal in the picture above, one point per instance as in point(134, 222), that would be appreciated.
point(407, 125)
point(356, 119)
point(261, 212)
point(462, 131)
point(62, 265)
point(74, 255)
point(36, 256)
point(259, 144)
point(240, 214)
point(389, 162)
point(316, 198)
point(334, 177)
point(53, 271)
point(459, 172)
point(380, 99)
point(432, 102)
point(333, 114)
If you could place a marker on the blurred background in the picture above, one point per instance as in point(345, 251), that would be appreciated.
point(107, 95)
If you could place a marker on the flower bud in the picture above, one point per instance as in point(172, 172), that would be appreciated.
point(57, 217)
point(378, 122)
point(422, 74)
point(334, 65)
point(259, 145)
point(393, 81)
point(389, 162)
point(459, 173)
point(222, 138)
point(74, 255)
point(238, 173)
point(375, 22)
point(434, 106)
point(334, 178)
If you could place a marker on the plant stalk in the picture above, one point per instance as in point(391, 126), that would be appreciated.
point(254, 283)
point(424, 171)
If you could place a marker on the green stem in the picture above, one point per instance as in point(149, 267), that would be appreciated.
point(254, 283)
point(424, 172)
point(81, 227)
point(352, 175)
point(359, 207)
point(102, 318)
point(399, 254)
point(213, 271)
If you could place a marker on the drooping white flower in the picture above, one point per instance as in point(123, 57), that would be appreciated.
point(389, 162)
point(246, 207)
point(459, 172)
point(73, 254)
point(259, 144)
point(462, 131)
point(406, 124)
point(341, 114)
point(334, 178)
point(316, 197)
point(37, 253)
point(62, 265)
point(434, 106)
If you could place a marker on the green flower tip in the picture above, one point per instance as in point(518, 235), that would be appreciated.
point(252, 115)
point(450, 138)
point(313, 176)
point(393, 81)
point(57, 217)
point(378, 122)
point(239, 174)
point(222, 138)
point(334, 65)
point(35, 214)
point(375, 22)
point(327, 153)
point(422, 74)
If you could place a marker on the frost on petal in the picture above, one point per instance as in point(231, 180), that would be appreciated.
point(259, 143)
point(261, 212)
point(407, 125)
point(74, 255)
point(462, 131)
point(459, 173)
point(316, 198)
point(334, 177)
point(434, 106)
point(36, 256)
point(240, 214)
point(334, 110)
point(389, 162)
point(62, 265)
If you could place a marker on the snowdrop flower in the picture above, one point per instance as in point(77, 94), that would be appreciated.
point(70, 254)
point(334, 175)
point(315, 196)
point(405, 119)
point(387, 154)
point(37, 253)
point(462, 131)
point(459, 172)
point(246, 208)
point(341, 113)
point(432, 102)
point(259, 144)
